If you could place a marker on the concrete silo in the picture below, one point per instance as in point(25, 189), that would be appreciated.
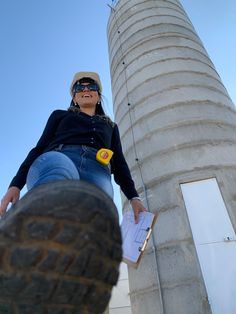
point(177, 125)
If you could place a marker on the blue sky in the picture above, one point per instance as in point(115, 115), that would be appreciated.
point(43, 43)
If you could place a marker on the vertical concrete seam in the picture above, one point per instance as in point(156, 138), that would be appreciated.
point(139, 165)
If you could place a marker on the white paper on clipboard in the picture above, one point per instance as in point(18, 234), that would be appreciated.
point(135, 235)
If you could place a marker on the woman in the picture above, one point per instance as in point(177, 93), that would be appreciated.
point(68, 146)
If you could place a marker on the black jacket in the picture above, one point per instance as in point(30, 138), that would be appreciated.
point(64, 127)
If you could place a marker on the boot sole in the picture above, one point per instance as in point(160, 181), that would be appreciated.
point(60, 250)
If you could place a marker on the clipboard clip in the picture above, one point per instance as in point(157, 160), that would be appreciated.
point(142, 248)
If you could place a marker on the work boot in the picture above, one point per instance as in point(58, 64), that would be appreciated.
point(60, 250)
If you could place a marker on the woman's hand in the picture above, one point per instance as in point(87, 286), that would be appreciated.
point(138, 207)
point(12, 196)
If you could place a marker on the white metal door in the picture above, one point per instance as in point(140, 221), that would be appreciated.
point(215, 242)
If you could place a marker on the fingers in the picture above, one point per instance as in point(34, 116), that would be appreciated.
point(143, 209)
point(136, 213)
point(12, 196)
point(138, 207)
point(3, 208)
point(15, 199)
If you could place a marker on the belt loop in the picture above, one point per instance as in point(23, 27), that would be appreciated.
point(60, 147)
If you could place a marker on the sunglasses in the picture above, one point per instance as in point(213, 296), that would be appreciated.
point(79, 87)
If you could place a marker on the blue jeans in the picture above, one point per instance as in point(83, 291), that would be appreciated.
point(74, 162)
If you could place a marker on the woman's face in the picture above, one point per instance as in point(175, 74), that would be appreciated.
point(86, 98)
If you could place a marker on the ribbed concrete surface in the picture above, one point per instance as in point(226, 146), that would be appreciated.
point(183, 123)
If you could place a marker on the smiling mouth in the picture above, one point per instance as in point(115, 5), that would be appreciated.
point(86, 96)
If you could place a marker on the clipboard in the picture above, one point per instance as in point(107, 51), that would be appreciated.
point(135, 236)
